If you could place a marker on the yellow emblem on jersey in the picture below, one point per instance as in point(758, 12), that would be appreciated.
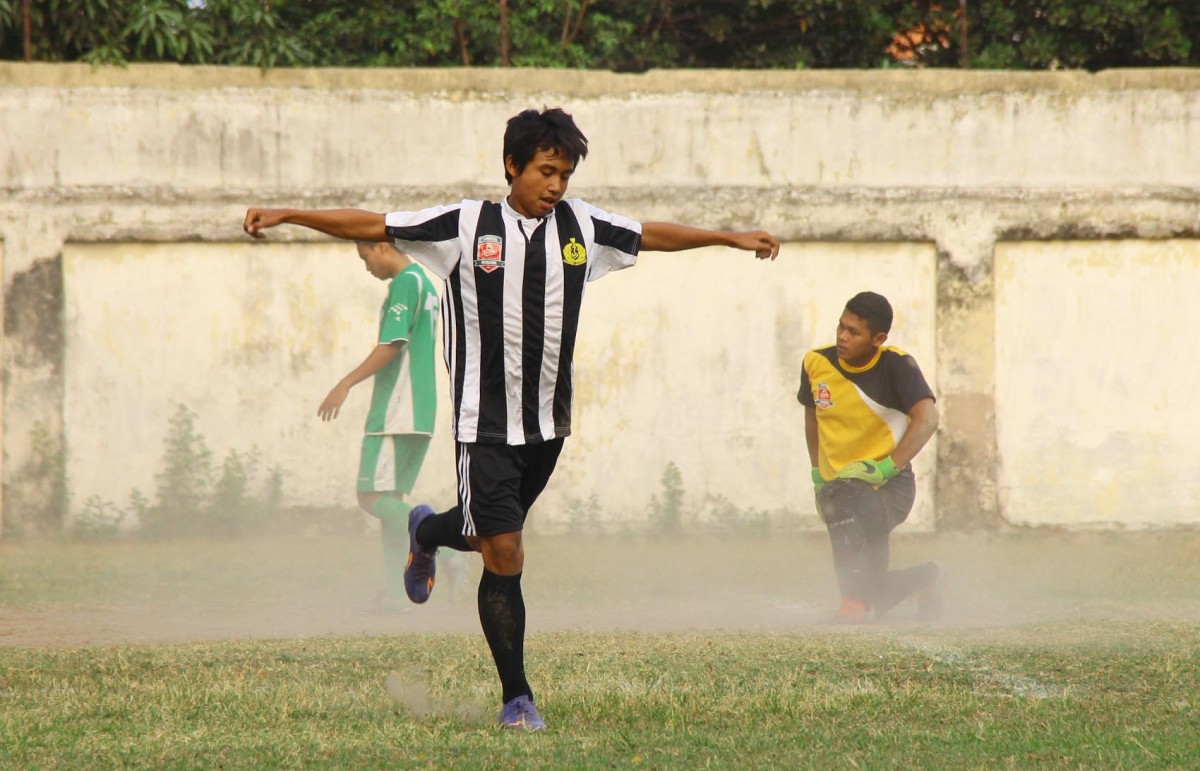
point(574, 253)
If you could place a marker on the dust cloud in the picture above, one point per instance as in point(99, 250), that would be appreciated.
point(410, 694)
point(327, 580)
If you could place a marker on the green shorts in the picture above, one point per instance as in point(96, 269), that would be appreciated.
point(390, 463)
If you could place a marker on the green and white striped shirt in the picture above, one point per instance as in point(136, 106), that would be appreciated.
point(404, 397)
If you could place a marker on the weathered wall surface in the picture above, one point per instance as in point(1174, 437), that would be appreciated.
point(128, 282)
point(686, 359)
point(1094, 398)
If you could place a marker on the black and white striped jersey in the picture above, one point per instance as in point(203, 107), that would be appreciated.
point(514, 287)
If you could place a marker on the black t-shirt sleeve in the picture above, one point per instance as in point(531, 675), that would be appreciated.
point(804, 395)
point(909, 383)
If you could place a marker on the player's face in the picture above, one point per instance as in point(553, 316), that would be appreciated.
point(855, 344)
point(372, 256)
point(541, 184)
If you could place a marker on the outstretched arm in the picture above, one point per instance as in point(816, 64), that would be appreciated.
point(670, 237)
point(350, 224)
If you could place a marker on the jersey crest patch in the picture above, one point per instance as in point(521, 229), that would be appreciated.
point(824, 398)
point(489, 253)
point(574, 253)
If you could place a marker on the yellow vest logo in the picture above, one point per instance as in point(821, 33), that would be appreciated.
point(574, 253)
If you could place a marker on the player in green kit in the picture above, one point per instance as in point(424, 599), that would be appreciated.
point(399, 423)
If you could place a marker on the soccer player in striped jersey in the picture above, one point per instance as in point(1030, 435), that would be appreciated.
point(403, 405)
point(867, 413)
point(514, 273)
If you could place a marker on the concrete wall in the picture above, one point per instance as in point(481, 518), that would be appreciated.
point(687, 359)
point(976, 201)
point(1095, 364)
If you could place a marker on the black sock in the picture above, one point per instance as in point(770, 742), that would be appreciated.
point(443, 529)
point(502, 615)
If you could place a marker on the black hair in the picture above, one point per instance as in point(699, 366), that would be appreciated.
point(872, 308)
point(530, 131)
point(368, 245)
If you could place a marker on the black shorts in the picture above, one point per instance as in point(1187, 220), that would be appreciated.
point(498, 483)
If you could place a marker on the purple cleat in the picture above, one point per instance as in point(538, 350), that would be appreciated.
point(421, 567)
point(520, 714)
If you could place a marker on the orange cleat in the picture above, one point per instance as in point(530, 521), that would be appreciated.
point(851, 612)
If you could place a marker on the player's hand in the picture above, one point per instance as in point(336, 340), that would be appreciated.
point(763, 244)
point(873, 472)
point(258, 220)
point(818, 480)
point(333, 402)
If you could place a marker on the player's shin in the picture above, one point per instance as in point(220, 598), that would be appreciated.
point(838, 508)
point(445, 529)
point(393, 523)
point(502, 615)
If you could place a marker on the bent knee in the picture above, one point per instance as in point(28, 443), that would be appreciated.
point(503, 554)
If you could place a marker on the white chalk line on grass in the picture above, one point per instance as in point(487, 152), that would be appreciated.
point(981, 671)
point(984, 673)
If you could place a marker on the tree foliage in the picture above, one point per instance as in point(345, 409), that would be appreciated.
point(623, 35)
point(1052, 34)
point(247, 32)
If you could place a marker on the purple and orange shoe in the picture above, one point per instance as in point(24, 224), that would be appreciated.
point(422, 566)
point(520, 714)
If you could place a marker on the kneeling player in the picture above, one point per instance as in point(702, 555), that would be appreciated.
point(867, 413)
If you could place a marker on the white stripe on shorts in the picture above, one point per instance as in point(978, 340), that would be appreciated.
point(464, 489)
point(385, 465)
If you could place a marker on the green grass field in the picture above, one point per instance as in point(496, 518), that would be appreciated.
point(1076, 651)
